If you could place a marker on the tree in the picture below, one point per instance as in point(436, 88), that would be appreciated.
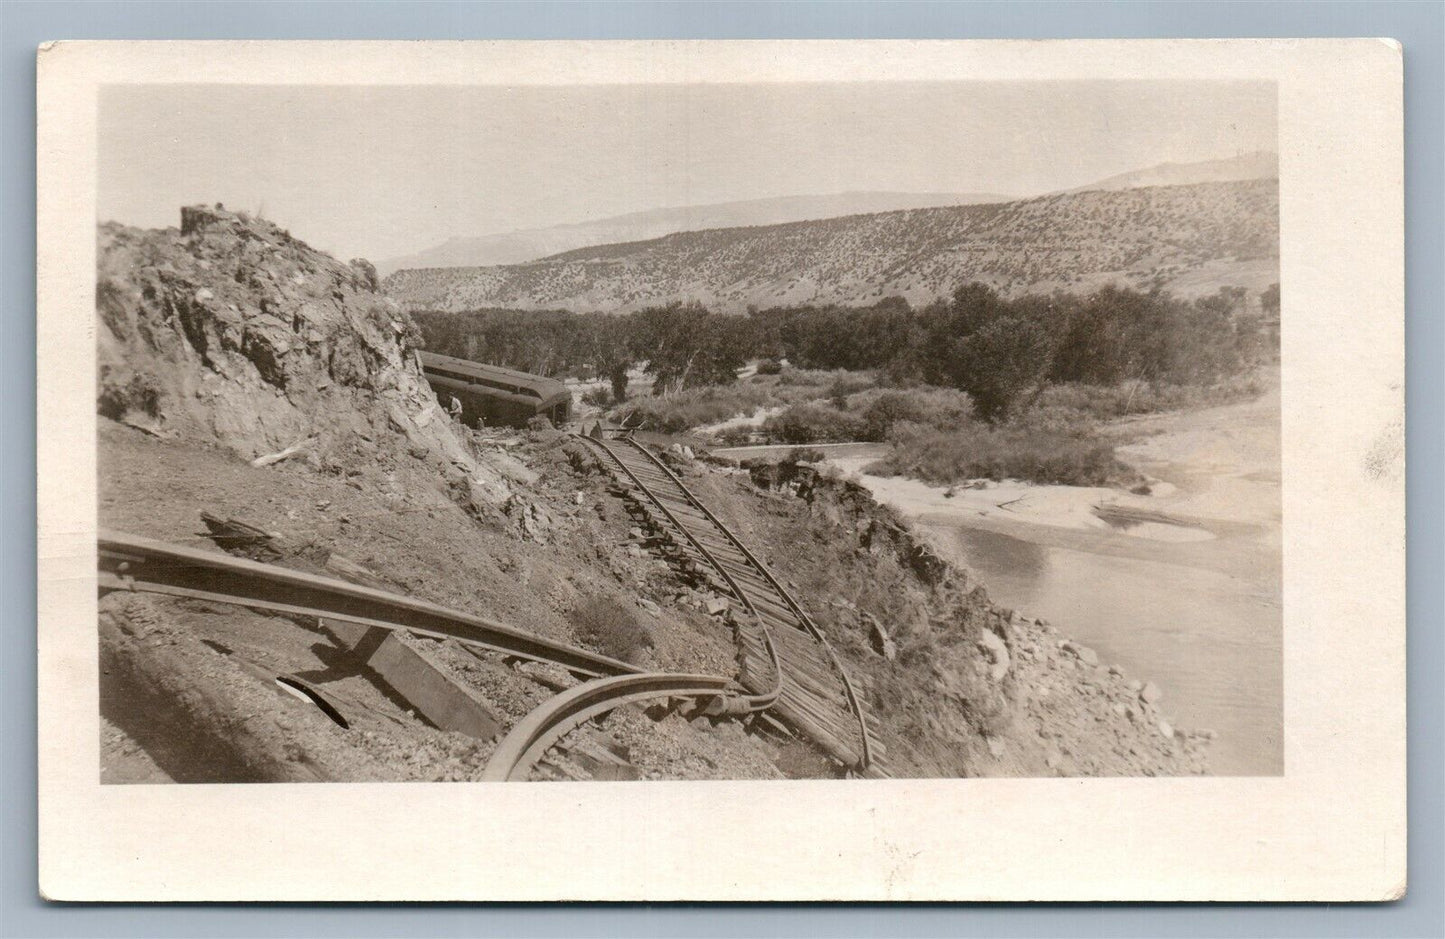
point(618, 376)
point(1001, 361)
point(978, 342)
point(686, 346)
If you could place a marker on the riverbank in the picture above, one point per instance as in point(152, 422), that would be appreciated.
point(1182, 584)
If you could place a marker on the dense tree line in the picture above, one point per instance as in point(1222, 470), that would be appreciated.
point(683, 345)
point(1003, 352)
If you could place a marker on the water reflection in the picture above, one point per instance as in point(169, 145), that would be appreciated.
point(1151, 529)
point(1211, 640)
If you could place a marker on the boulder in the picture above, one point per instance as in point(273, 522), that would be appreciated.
point(997, 652)
point(883, 643)
point(1082, 653)
point(1150, 693)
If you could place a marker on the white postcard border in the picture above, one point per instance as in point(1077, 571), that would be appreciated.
point(1332, 828)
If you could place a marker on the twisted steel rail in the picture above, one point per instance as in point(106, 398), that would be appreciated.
point(808, 626)
point(536, 733)
point(143, 565)
point(133, 563)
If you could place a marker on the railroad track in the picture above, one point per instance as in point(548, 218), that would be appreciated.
point(132, 563)
point(786, 667)
point(143, 565)
point(783, 658)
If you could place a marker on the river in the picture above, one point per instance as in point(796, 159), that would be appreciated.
point(1181, 586)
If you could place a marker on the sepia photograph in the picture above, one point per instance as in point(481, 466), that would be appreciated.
point(510, 418)
point(689, 432)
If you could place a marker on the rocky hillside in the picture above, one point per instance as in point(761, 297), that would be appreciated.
point(1191, 239)
point(530, 244)
point(228, 331)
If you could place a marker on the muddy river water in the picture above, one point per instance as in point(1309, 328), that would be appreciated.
point(1181, 586)
point(1211, 640)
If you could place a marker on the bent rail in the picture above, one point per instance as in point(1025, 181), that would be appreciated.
point(758, 702)
point(812, 629)
point(865, 757)
point(131, 562)
point(536, 733)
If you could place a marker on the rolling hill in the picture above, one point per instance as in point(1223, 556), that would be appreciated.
point(1189, 238)
point(1258, 165)
point(530, 244)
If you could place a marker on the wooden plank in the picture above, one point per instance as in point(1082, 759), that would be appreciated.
point(811, 729)
point(420, 679)
point(829, 692)
point(602, 763)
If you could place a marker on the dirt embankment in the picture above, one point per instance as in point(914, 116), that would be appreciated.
point(559, 545)
point(964, 687)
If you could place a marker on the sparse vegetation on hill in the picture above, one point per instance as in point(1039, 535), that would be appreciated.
point(695, 407)
point(609, 627)
point(1189, 238)
point(868, 414)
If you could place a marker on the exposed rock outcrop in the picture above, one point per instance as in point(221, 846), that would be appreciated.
point(230, 331)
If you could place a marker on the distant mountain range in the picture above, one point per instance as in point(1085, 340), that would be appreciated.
point(530, 244)
point(1189, 238)
point(517, 247)
point(1257, 165)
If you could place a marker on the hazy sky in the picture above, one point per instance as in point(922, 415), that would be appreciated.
point(382, 171)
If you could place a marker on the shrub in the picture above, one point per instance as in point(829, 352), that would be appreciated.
point(597, 397)
point(737, 436)
point(813, 423)
point(697, 407)
point(1103, 402)
point(812, 377)
point(1037, 453)
point(940, 408)
point(138, 395)
point(846, 385)
point(611, 628)
point(805, 455)
point(770, 367)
